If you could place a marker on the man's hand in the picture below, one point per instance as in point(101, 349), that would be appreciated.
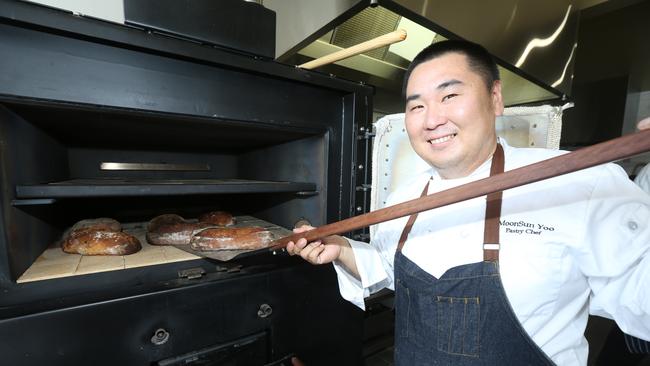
point(320, 251)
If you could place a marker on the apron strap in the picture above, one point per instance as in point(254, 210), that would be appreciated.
point(493, 212)
point(411, 221)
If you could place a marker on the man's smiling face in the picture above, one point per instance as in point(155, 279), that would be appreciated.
point(450, 115)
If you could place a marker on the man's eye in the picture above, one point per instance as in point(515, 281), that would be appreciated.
point(415, 107)
point(448, 96)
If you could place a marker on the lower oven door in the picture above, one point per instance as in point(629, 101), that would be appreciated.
point(249, 319)
point(247, 351)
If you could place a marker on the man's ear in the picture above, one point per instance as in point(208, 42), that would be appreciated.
point(497, 98)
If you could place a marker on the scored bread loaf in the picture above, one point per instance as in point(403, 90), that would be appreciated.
point(237, 238)
point(170, 229)
point(102, 223)
point(102, 236)
point(97, 242)
point(219, 218)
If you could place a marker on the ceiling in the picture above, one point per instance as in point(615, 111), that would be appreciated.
point(384, 67)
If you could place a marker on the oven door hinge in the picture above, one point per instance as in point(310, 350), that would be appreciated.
point(365, 134)
point(191, 273)
point(229, 268)
point(364, 187)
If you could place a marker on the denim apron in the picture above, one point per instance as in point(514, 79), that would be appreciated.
point(463, 317)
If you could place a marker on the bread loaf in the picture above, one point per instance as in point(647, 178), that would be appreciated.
point(238, 238)
point(102, 223)
point(219, 218)
point(96, 242)
point(172, 229)
point(164, 220)
point(102, 236)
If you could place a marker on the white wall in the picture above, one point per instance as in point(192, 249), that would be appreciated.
point(111, 10)
point(297, 19)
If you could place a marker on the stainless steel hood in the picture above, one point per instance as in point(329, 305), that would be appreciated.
point(533, 41)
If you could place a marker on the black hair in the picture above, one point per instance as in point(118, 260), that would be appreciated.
point(478, 58)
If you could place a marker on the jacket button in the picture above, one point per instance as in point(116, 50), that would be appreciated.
point(632, 225)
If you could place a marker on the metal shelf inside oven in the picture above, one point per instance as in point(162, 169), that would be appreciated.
point(110, 187)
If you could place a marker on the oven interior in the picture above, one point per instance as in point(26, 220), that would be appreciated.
point(183, 165)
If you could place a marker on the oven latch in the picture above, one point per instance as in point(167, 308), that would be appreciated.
point(191, 273)
point(365, 134)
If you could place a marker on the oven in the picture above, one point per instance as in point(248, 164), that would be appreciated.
point(105, 120)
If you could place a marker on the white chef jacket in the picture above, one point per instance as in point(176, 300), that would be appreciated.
point(570, 246)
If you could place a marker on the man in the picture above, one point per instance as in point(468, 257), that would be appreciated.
point(642, 178)
point(507, 280)
point(621, 349)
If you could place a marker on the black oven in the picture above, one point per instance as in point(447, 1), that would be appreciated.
point(106, 120)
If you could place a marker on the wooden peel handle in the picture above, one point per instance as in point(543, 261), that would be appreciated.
point(587, 157)
point(388, 38)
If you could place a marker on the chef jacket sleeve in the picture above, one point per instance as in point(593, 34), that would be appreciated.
point(374, 274)
point(375, 260)
point(615, 254)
